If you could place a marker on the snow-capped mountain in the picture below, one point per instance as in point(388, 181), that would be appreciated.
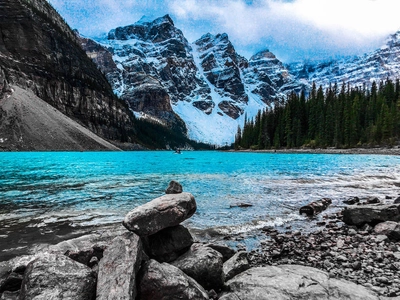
point(378, 65)
point(204, 88)
point(268, 78)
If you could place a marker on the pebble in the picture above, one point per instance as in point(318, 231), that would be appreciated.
point(343, 251)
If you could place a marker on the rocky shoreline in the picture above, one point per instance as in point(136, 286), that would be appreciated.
point(354, 254)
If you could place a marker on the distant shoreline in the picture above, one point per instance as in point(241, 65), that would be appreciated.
point(374, 151)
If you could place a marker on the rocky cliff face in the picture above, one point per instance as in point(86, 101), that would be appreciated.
point(39, 52)
point(146, 58)
point(221, 66)
point(268, 78)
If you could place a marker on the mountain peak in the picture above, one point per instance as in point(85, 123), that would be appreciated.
point(156, 30)
point(263, 55)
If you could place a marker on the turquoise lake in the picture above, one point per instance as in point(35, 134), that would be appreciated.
point(47, 194)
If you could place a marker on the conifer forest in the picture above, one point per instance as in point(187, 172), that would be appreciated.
point(340, 116)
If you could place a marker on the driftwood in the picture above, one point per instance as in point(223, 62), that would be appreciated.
point(315, 207)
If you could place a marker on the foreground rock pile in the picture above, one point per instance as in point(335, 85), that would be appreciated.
point(366, 255)
point(157, 258)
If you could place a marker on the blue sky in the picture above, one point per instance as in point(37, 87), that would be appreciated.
point(292, 29)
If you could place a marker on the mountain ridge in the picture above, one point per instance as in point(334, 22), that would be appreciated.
point(203, 81)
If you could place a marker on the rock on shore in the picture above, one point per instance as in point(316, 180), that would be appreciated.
point(160, 260)
point(292, 282)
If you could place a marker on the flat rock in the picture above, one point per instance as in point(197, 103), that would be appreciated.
point(293, 282)
point(119, 267)
point(371, 214)
point(52, 276)
point(168, 244)
point(160, 213)
point(204, 265)
point(164, 281)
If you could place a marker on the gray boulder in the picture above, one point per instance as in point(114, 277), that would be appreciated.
point(160, 213)
point(204, 265)
point(174, 187)
point(390, 229)
point(119, 267)
point(164, 282)
point(371, 214)
point(52, 276)
point(236, 265)
point(293, 282)
point(168, 244)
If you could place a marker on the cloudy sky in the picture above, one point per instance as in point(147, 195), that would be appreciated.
point(292, 29)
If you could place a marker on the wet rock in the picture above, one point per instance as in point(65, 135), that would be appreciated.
point(204, 265)
point(315, 207)
point(236, 265)
point(160, 213)
point(174, 187)
point(351, 201)
point(242, 205)
point(293, 282)
point(119, 267)
point(168, 244)
point(50, 276)
point(164, 281)
point(371, 214)
point(373, 200)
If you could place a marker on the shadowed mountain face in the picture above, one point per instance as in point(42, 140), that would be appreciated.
point(40, 53)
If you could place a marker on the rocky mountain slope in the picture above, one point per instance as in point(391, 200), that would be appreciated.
point(206, 85)
point(378, 65)
point(29, 123)
point(39, 53)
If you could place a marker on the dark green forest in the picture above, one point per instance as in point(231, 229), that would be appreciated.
point(340, 116)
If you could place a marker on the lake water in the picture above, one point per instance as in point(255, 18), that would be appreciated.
point(46, 195)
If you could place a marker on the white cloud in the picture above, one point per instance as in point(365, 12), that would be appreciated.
point(289, 28)
point(339, 25)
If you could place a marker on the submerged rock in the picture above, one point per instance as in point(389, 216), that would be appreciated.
point(160, 213)
point(53, 276)
point(203, 264)
point(315, 207)
point(293, 282)
point(164, 281)
point(119, 267)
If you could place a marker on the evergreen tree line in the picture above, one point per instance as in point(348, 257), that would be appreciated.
point(340, 117)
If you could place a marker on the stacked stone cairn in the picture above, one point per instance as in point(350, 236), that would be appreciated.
point(157, 259)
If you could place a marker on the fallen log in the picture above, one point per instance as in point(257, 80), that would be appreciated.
point(315, 207)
